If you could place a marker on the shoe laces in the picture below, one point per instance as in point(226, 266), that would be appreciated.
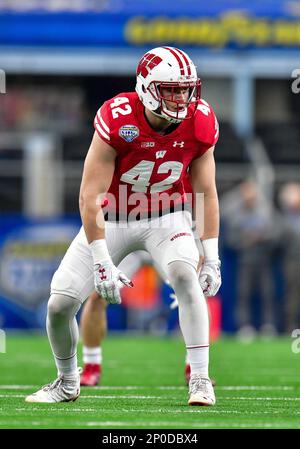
point(199, 383)
point(57, 382)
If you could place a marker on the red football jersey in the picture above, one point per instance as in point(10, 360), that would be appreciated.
point(150, 167)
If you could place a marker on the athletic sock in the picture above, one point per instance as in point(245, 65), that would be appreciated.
point(92, 355)
point(198, 358)
point(67, 367)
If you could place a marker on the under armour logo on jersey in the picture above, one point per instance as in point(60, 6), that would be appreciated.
point(178, 144)
point(160, 154)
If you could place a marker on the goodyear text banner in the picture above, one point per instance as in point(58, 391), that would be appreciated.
point(219, 25)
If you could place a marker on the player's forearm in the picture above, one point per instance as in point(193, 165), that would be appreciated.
point(92, 217)
point(209, 237)
point(211, 215)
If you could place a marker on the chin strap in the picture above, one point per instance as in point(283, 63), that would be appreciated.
point(166, 117)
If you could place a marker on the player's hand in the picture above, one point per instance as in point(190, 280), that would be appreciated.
point(109, 280)
point(210, 277)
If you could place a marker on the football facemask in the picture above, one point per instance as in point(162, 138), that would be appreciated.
point(172, 69)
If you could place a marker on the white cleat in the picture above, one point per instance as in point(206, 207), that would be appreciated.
point(61, 390)
point(201, 391)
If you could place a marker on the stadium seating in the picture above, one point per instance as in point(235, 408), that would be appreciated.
point(281, 141)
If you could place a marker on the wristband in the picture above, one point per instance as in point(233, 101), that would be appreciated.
point(99, 250)
point(210, 249)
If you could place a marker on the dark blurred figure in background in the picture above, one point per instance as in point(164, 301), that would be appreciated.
point(249, 230)
point(289, 199)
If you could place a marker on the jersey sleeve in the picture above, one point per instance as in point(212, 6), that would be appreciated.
point(102, 123)
point(206, 127)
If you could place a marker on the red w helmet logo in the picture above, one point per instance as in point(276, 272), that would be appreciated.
point(147, 63)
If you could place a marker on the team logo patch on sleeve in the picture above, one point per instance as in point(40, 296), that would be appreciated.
point(129, 132)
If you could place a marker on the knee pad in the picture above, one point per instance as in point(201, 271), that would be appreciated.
point(62, 305)
point(181, 274)
point(184, 279)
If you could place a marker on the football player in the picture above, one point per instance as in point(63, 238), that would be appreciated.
point(143, 145)
point(93, 322)
point(93, 325)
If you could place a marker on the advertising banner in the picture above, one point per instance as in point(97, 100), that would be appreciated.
point(30, 252)
point(218, 25)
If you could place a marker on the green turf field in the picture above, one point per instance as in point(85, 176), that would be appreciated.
point(258, 386)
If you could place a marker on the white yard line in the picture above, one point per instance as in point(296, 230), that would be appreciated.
point(196, 425)
point(156, 424)
point(102, 397)
point(57, 409)
point(12, 395)
point(90, 396)
point(180, 387)
point(16, 387)
point(199, 410)
point(241, 398)
point(256, 388)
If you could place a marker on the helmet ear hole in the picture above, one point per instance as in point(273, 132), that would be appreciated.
point(144, 89)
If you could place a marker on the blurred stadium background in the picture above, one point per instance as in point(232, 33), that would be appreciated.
point(60, 60)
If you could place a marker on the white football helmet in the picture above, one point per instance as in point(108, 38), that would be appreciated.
point(171, 68)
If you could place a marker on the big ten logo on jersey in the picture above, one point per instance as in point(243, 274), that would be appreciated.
point(147, 144)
